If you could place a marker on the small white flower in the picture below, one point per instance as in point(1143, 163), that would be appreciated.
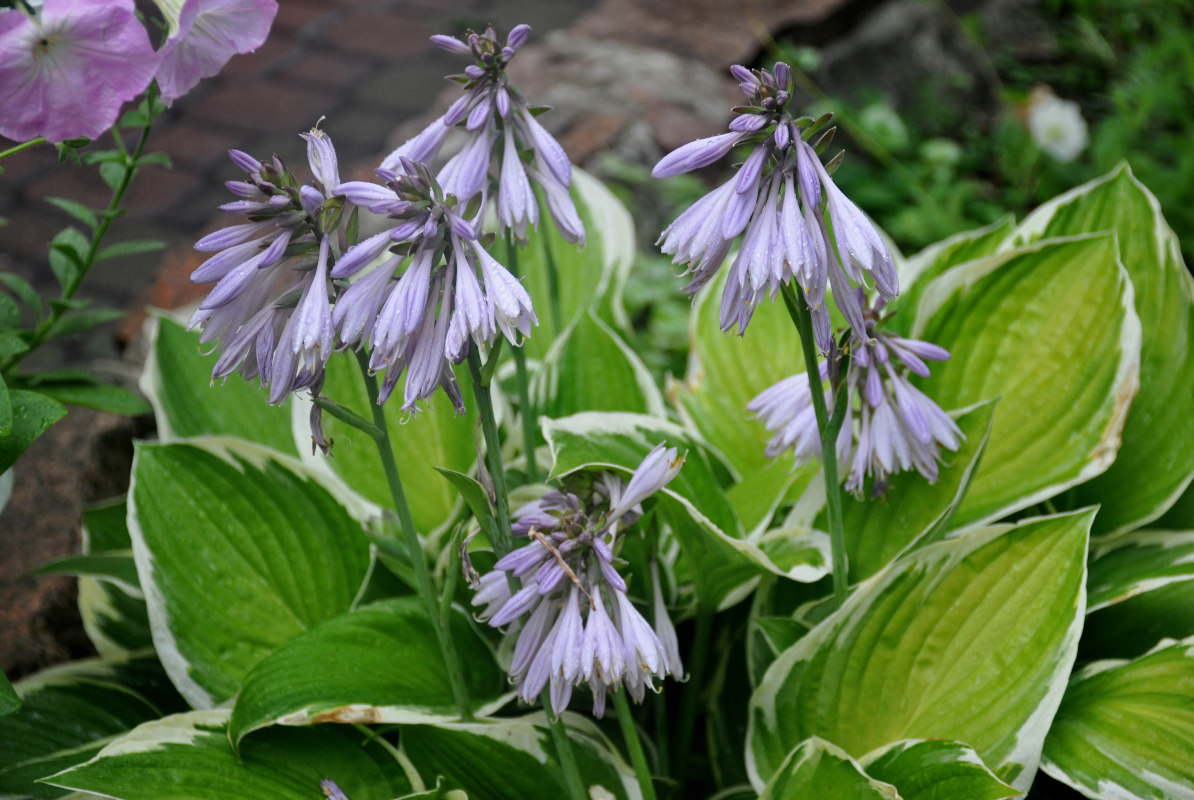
point(1057, 126)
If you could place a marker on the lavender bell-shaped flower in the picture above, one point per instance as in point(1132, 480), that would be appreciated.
point(571, 620)
point(501, 128)
point(270, 306)
point(775, 200)
point(422, 319)
point(890, 426)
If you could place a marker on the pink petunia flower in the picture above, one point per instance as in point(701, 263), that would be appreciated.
point(204, 35)
point(66, 72)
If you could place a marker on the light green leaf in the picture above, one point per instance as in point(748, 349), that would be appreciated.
point(918, 271)
point(67, 714)
point(1135, 562)
point(238, 550)
point(724, 374)
point(1050, 329)
point(381, 664)
point(1156, 459)
point(32, 414)
point(177, 381)
point(507, 758)
point(912, 512)
point(921, 649)
point(817, 768)
point(187, 756)
point(1125, 729)
point(589, 368)
point(434, 437)
point(932, 769)
point(583, 277)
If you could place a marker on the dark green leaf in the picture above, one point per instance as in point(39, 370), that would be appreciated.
point(83, 320)
point(77, 210)
point(68, 250)
point(11, 344)
point(5, 412)
point(9, 702)
point(130, 248)
point(158, 159)
point(80, 389)
point(113, 173)
point(22, 289)
point(475, 496)
point(32, 414)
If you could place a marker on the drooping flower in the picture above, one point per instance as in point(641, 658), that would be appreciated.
point(67, 71)
point(501, 128)
point(270, 307)
point(204, 35)
point(572, 621)
point(423, 320)
point(890, 426)
point(775, 203)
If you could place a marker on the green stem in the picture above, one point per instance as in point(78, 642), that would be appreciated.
point(802, 316)
point(691, 701)
point(413, 545)
point(493, 451)
point(559, 737)
point(131, 162)
point(553, 287)
point(12, 151)
point(526, 410)
point(630, 735)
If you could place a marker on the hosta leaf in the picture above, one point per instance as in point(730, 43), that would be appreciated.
point(1051, 331)
point(434, 437)
point(932, 769)
point(1125, 729)
point(186, 756)
point(112, 605)
point(582, 277)
point(1136, 562)
point(1133, 625)
point(589, 368)
point(725, 373)
point(1156, 459)
point(381, 663)
point(9, 702)
point(816, 768)
point(238, 550)
point(923, 648)
point(912, 511)
point(67, 714)
point(177, 381)
point(499, 759)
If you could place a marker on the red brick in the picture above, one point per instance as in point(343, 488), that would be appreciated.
point(264, 106)
point(189, 143)
point(277, 48)
point(296, 15)
point(323, 69)
point(381, 33)
point(156, 189)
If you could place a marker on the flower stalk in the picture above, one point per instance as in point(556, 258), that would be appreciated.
point(524, 381)
point(630, 734)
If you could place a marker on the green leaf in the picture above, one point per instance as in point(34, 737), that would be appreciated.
point(177, 381)
point(158, 158)
point(116, 567)
point(77, 388)
point(918, 271)
point(380, 664)
point(912, 512)
point(501, 759)
point(32, 414)
point(9, 702)
point(1050, 329)
point(187, 756)
point(434, 437)
point(970, 639)
point(817, 768)
point(725, 373)
point(1133, 625)
point(238, 550)
point(130, 248)
point(767, 637)
point(1125, 729)
point(68, 249)
point(589, 368)
point(83, 320)
point(931, 769)
point(24, 290)
point(113, 173)
point(111, 603)
point(1136, 562)
point(67, 714)
point(77, 210)
point(5, 412)
point(1156, 459)
point(475, 497)
point(584, 276)
point(11, 344)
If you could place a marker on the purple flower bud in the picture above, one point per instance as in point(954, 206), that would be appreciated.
point(321, 156)
point(361, 254)
point(656, 471)
point(245, 161)
point(518, 36)
point(547, 149)
point(451, 44)
point(783, 75)
point(695, 154)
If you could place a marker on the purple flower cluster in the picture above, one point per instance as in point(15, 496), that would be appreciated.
point(492, 110)
point(572, 620)
point(890, 425)
point(427, 317)
point(775, 200)
point(67, 70)
point(270, 306)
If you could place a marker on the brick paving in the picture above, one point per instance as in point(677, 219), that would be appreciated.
point(365, 65)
